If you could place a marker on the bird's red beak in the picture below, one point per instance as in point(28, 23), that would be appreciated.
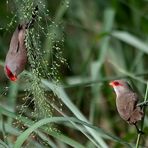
point(14, 78)
point(10, 75)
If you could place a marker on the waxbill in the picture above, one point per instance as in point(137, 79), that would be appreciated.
point(126, 102)
point(16, 57)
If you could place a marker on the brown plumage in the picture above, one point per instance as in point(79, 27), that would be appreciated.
point(17, 55)
point(16, 58)
point(126, 102)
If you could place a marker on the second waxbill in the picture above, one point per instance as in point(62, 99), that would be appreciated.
point(16, 58)
point(17, 55)
point(126, 102)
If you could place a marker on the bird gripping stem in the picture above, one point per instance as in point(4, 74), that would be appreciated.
point(139, 131)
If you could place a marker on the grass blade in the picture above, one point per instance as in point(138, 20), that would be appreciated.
point(131, 40)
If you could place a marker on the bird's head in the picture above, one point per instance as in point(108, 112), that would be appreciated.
point(120, 86)
point(10, 74)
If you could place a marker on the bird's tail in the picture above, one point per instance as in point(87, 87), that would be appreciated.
point(136, 116)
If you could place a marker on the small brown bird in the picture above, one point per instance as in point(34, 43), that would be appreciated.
point(16, 58)
point(126, 102)
point(17, 55)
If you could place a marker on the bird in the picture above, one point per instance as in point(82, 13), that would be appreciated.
point(126, 102)
point(16, 57)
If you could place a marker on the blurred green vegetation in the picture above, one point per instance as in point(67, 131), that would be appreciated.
point(103, 40)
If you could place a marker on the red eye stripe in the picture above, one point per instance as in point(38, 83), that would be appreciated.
point(115, 83)
point(11, 76)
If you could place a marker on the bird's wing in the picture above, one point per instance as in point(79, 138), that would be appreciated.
point(17, 40)
point(126, 105)
point(131, 104)
point(14, 43)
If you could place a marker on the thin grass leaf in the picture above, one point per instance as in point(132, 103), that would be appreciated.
point(104, 45)
point(12, 97)
point(125, 72)
point(3, 144)
point(101, 57)
point(77, 127)
point(46, 138)
point(21, 139)
point(65, 99)
point(131, 40)
point(28, 123)
point(142, 122)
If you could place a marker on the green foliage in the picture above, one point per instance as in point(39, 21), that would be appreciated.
point(74, 49)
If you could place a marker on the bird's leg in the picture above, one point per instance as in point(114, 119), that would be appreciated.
point(138, 130)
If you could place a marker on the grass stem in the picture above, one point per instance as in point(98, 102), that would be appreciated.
point(142, 122)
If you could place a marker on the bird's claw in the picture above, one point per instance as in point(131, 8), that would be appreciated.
point(141, 132)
